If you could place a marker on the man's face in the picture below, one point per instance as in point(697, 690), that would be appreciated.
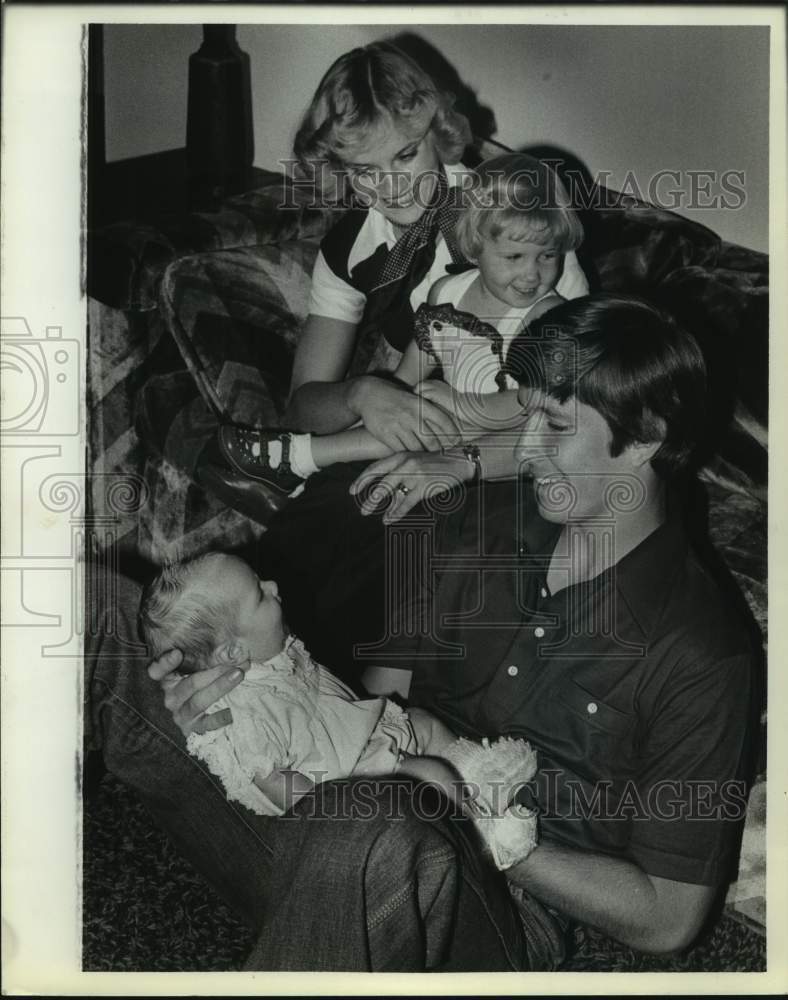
point(394, 170)
point(566, 449)
point(255, 605)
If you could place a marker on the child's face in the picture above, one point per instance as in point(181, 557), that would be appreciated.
point(254, 602)
point(518, 272)
point(394, 171)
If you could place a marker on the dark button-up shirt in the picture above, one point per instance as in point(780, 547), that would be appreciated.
point(635, 687)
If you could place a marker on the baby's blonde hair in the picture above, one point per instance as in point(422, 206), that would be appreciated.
point(520, 197)
point(176, 615)
point(372, 84)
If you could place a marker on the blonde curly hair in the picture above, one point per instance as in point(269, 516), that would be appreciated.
point(517, 195)
point(366, 86)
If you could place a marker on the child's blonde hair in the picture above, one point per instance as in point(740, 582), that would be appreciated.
point(173, 614)
point(520, 197)
point(369, 85)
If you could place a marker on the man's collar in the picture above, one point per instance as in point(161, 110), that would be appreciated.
point(645, 576)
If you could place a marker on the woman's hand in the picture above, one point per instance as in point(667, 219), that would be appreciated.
point(408, 479)
point(437, 391)
point(401, 419)
point(188, 698)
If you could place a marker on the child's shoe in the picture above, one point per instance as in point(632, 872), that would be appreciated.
point(252, 499)
point(262, 454)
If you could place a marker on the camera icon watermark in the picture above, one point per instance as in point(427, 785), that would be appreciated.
point(41, 381)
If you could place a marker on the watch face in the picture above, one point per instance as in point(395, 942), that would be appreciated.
point(471, 453)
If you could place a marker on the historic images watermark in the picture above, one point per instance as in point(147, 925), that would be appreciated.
point(58, 524)
point(555, 797)
point(326, 185)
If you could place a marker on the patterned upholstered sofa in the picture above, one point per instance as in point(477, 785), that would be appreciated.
point(212, 303)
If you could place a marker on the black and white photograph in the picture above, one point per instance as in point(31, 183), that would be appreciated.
point(386, 495)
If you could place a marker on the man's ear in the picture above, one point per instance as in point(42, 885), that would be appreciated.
point(641, 452)
point(230, 653)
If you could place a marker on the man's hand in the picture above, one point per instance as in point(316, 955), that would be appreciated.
point(188, 698)
point(407, 479)
point(401, 419)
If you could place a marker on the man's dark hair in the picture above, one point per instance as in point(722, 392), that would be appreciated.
point(628, 360)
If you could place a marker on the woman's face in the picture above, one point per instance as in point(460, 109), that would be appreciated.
point(394, 170)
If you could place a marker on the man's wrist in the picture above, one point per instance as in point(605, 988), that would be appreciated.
point(469, 453)
point(522, 870)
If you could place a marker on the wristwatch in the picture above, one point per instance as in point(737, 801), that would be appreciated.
point(471, 453)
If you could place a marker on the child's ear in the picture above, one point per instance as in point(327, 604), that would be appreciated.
point(230, 653)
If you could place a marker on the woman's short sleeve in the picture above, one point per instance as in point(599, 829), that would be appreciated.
point(333, 297)
point(573, 283)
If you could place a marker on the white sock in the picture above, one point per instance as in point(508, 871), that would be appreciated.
point(301, 461)
point(274, 452)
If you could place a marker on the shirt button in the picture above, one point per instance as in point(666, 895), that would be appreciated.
point(539, 632)
point(543, 592)
point(592, 707)
point(512, 671)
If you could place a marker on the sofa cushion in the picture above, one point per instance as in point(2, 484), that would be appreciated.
point(631, 245)
point(128, 259)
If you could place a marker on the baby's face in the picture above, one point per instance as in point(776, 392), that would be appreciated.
point(519, 272)
point(255, 603)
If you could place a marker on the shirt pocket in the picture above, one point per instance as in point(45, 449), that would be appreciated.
point(592, 739)
point(599, 717)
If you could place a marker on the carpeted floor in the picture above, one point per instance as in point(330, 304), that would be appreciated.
point(147, 910)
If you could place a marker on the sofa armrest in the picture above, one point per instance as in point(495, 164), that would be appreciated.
point(235, 317)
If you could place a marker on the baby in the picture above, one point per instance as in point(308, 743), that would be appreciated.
point(517, 226)
point(295, 724)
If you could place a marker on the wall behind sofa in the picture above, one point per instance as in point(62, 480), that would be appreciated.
point(634, 103)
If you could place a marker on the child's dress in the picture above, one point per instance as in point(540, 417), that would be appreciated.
point(291, 713)
point(470, 349)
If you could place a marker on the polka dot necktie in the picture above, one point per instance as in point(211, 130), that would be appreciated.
point(440, 216)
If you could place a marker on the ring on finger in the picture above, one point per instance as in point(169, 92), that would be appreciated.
point(403, 489)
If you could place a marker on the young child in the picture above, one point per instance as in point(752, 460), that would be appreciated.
point(295, 724)
point(516, 226)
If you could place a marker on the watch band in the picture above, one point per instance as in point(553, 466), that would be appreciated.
point(471, 453)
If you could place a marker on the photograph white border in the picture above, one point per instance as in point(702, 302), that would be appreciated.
point(43, 217)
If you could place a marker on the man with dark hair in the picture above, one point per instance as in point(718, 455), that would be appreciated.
point(598, 635)
point(570, 611)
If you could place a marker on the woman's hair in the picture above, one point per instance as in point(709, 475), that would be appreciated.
point(175, 614)
point(368, 85)
point(521, 197)
point(630, 362)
